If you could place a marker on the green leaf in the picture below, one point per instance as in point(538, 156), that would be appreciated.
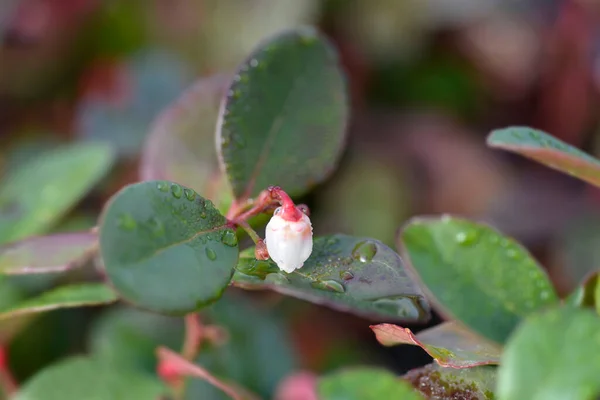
point(175, 148)
point(476, 275)
point(597, 296)
point(450, 344)
point(548, 150)
point(257, 354)
point(553, 355)
point(436, 382)
point(129, 337)
point(363, 383)
point(347, 273)
point(76, 295)
point(78, 378)
point(585, 296)
point(166, 248)
point(43, 254)
point(284, 119)
point(35, 196)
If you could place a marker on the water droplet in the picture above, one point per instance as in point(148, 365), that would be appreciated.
point(329, 285)
point(346, 275)
point(203, 215)
point(229, 238)
point(514, 254)
point(210, 253)
point(162, 186)
point(413, 307)
point(189, 194)
point(127, 222)
point(544, 294)
point(332, 241)
point(176, 190)
point(466, 238)
point(494, 239)
point(156, 227)
point(254, 63)
point(276, 277)
point(364, 251)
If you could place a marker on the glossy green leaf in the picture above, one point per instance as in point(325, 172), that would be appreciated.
point(553, 355)
point(165, 248)
point(76, 295)
point(35, 196)
point(176, 148)
point(284, 119)
point(363, 383)
point(476, 275)
point(436, 382)
point(585, 295)
point(450, 344)
point(42, 254)
point(351, 274)
point(548, 150)
point(78, 378)
point(257, 354)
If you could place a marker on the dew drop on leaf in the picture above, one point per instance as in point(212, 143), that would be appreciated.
point(176, 190)
point(466, 238)
point(364, 251)
point(276, 277)
point(346, 275)
point(127, 222)
point(329, 285)
point(229, 238)
point(210, 253)
point(162, 186)
point(189, 194)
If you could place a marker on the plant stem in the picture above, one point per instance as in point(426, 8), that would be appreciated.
point(193, 336)
point(7, 381)
point(251, 232)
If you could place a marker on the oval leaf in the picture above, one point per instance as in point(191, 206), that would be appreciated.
point(284, 119)
point(357, 275)
point(449, 344)
point(548, 150)
point(176, 147)
point(78, 378)
point(36, 195)
point(436, 382)
point(79, 295)
point(165, 248)
point(362, 383)
point(476, 275)
point(43, 254)
point(554, 355)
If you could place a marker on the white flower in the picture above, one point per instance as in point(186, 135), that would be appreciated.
point(289, 238)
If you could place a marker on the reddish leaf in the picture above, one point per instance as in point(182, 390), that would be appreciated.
point(44, 254)
point(449, 344)
point(547, 150)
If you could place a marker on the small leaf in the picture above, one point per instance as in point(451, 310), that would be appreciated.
point(35, 196)
point(351, 274)
point(598, 296)
point(553, 355)
point(449, 344)
point(436, 382)
point(477, 276)
point(548, 150)
point(165, 248)
point(362, 383)
point(43, 254)
point(76, 295)
point(77, 378)
point(284, 119)
point(175, 148)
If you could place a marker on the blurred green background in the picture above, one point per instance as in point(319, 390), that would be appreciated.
point(428, 80)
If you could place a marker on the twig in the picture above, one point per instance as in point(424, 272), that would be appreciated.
point(193, 336)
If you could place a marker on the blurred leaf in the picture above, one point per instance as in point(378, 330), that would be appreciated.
point(585, 296)
point(284, 119)
point(42, 254)
point(437, 382)
point(547, 150)
point(165, 248)
point(143, 87)
point(362, 383)
point(552, 355)
point(35, 196)
point(10, 295)
point(597, 296)
point(450, 344)
point(178, 145)
point(77, 378)
point(76, 295)
point(129, 337)
point(350, 274)
point(477, 276)
point(257, 355)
